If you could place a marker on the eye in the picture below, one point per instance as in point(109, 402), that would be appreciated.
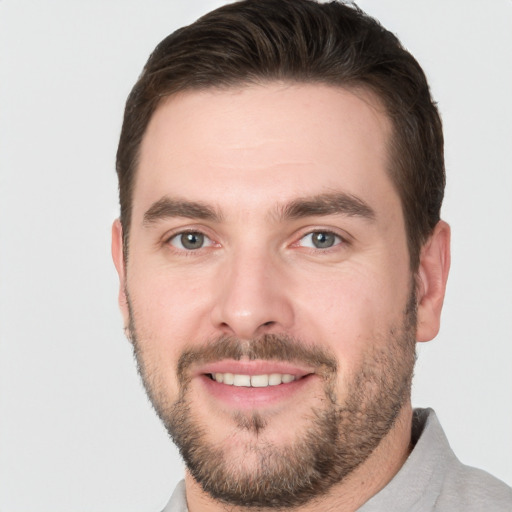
point(190, 241)
point(320, 240)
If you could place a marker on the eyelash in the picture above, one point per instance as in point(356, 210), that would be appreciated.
point(339, 241)
point(184, 250)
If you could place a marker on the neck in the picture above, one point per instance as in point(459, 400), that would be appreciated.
point(349, 494)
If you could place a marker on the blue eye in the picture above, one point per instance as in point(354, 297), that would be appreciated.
point(190, 241)
point(320, 240)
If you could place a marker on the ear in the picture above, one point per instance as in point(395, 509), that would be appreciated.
point(119, 262)
point(431, 281)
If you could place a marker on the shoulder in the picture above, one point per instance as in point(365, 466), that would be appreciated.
point(178, 501)
point(470, 489)
point(449, 485)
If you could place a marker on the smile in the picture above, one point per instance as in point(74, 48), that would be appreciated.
point(246, 385)
point(252, 381)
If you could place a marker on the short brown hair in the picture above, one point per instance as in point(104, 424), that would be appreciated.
point(255, 41)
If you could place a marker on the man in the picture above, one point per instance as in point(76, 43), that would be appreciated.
point(280, 251)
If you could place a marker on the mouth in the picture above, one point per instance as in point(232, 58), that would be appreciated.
point(252, 381)
point(246, 385)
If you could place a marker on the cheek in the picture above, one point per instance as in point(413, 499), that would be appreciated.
point(168, 307)
point(351, 310)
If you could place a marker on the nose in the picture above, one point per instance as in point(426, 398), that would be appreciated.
point(253, 297)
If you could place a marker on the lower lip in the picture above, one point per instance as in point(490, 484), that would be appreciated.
point(241, 397)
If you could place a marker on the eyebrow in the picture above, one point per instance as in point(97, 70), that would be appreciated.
point(168, 207)
point(337, 203)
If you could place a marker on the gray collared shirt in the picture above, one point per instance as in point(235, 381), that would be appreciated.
point(432, 479)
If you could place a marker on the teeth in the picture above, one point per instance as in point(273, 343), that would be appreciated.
point(274, 379)
point(255, 381)
point(242, 380)
point(259, 381)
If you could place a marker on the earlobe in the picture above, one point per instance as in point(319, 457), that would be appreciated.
point(431, 281)
point(119, 262)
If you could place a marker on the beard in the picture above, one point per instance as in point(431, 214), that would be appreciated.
point(338, 437)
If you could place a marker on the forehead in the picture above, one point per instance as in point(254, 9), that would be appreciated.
point(257, 144)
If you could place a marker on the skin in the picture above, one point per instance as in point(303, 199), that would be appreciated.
point(247, 153)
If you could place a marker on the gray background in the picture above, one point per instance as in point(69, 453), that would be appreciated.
point(76, 431)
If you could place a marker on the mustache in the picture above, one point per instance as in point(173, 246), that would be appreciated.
point(275, 347)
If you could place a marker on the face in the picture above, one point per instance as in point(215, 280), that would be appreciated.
point(267, 288)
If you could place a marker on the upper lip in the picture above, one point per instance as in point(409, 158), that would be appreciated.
point(257, 367)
